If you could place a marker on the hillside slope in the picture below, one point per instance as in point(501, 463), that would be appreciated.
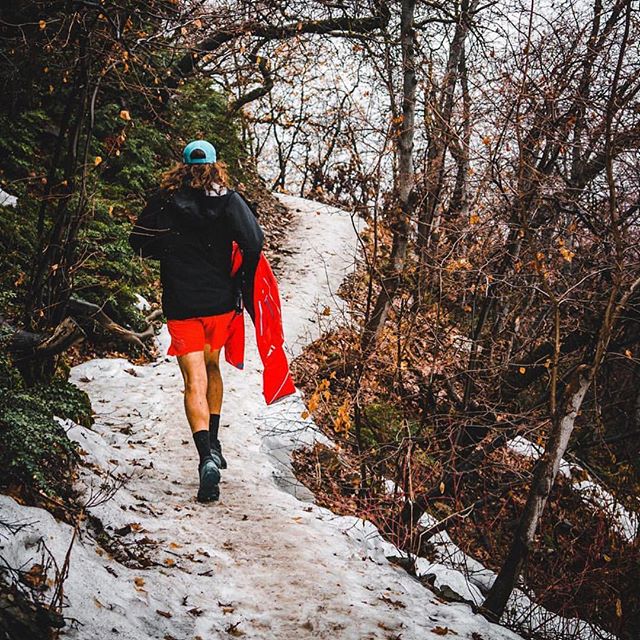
point(260, 563)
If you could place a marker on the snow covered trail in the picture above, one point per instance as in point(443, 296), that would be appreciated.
point(260, 562)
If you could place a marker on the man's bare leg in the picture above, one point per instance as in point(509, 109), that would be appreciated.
point(214, 398)
point(194, 372)
point(214, 377)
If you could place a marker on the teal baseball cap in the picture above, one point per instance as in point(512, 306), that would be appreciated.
point(199, 152)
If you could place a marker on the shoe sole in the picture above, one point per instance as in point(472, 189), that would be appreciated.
point(209, 485)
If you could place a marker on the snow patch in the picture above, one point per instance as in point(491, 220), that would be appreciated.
point(627, 523)
point(475, 580)
point(7, 200)
point(141, 303)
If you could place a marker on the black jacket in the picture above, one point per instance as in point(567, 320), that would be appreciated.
point(191, 234)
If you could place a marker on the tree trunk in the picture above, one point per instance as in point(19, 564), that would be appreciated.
point(543, 481)
point(442, 134)
point(404, 185)
point(35, 354)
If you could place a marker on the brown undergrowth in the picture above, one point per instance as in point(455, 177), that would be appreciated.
point(394, 436)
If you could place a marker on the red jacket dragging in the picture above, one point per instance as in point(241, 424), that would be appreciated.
point(276, 378)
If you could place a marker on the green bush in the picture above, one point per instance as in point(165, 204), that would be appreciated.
point(21, 143)
point(10, 378)
point(35, 453)
point(65, 400)
point(111, 274)
point(381, 422)
point(143, 156)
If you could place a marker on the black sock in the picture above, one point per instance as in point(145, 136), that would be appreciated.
point(203, 444)
point(214, 423)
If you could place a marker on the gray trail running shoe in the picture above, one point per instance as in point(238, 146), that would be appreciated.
point(216, 454)
point(209, 481)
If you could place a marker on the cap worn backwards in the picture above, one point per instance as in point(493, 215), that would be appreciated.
point(199, 152)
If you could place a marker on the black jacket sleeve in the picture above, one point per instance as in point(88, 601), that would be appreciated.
point(250, 238)
point(152, 235)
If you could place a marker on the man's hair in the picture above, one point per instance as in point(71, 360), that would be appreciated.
point(197, 176)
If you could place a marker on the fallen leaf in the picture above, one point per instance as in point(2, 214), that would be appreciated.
point(35, 577)
point(566, 254)
point(394, 603)
point(164, 614)
point(440, 631)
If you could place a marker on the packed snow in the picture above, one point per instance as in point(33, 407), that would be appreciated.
point(264, 561)
point(7, 200)
point(141, 303)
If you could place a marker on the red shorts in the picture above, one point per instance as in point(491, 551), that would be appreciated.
point(193, 333)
